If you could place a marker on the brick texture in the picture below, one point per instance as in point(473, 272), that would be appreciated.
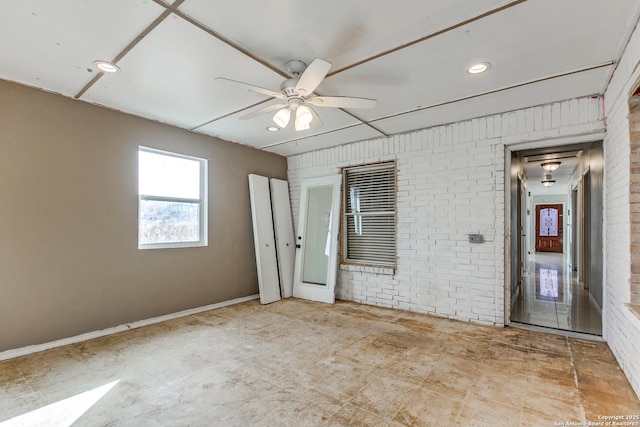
point(622, 213)
point(451, 183)
point(634, 196)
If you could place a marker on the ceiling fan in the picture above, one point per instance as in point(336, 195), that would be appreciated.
point(297, 94)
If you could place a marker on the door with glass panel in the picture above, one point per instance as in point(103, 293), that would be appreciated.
point(549, 227)
point(317, 239)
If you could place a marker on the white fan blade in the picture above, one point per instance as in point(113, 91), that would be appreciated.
point(312, 76)
point(316, 122)
point(341, 102)
point(253, 88)
point(261, 111)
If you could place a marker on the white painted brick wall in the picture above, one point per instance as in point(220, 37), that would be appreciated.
point(450, 184)
point(621, 326)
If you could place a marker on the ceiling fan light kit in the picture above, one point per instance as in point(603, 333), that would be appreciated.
point(282, 117)
point(298, 95)
point(303, 115)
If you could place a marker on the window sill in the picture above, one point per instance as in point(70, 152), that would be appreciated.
point(389, 271)
point(635, 309)
point(176, 245)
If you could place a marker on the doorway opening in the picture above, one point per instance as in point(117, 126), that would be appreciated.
point(556, 238)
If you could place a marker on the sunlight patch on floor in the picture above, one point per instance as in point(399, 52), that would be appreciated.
point(62, 413)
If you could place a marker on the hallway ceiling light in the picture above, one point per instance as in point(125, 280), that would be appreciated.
point(547, 181)
point(550, 166)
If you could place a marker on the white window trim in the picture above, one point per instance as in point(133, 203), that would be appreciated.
point(202, 202)
point(356, 265)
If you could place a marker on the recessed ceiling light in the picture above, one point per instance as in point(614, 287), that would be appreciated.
point(478, 68)
point(106, 66)
point(273, 128)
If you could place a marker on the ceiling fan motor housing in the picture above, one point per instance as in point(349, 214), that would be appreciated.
point(288, 87)
point(296, 67)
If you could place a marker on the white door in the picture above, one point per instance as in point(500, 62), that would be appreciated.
point(317, 239)
point(263, 239)
point(283, 227)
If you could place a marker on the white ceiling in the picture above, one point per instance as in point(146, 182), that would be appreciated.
point(412, 59)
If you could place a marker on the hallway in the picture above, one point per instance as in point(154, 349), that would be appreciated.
point(552, 297)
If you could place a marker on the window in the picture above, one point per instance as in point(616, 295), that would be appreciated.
point(369, 220)
point(172, 203)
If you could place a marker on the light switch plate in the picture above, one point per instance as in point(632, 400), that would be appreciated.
point(476, 238)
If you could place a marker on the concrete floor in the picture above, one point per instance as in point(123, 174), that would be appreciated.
point(298, 363)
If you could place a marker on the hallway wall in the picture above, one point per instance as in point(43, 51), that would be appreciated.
point(622, 324)
point(451, 182)
point(515, 215)
point(589, 259)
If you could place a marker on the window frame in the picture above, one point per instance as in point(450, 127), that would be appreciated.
point(343, 217)
point(202, 202)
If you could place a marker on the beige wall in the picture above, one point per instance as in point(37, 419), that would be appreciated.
point(69, 261)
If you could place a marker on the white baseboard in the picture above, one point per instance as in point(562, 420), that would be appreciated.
point(22, 351)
